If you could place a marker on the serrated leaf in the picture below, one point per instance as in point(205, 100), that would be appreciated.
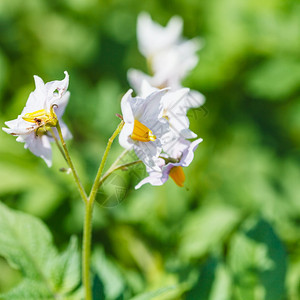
point(29, 290)
point(25, 241)
point(109, 274)
point(65, 269)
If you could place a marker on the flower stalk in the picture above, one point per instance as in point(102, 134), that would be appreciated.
point(97, 183)
point(88, 217)
point(71, 165)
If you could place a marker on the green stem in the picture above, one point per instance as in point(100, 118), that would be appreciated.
point(89, 205)
point(70, 163)
point(86, 249)
point(119, 167)
point(96, 183)
point(58, 145)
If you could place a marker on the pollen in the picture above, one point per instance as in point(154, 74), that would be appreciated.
point(142, 133)
point(38, 116)
point(177, 175)
point(42, 117)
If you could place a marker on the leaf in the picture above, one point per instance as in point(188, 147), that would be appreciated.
point(207, 227)
point(109, 274)
point(65, 269)
point(153, 294)
point(29, 289)
point(258, 263)
point(222, 284)
point(25, 242)
point(213, 282)
point(27, 245)
point(204, 282)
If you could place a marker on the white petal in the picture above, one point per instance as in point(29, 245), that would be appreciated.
point(135, 78)
point(37, 98)
point(188, 154)
point(176, 147)
point(175, 99)
point(153, 37)
point(148, 152)
point(124, 136)
point(147, 89)
point(67, 135)
point(19, 127)
point(152, 109)
point(155, 175)
point(39, 146)
point(61, 104)
point(172, 65)
point(154, 179)
point(194, 99)
point(126, 107)
point(188, 134)
point(55, 90)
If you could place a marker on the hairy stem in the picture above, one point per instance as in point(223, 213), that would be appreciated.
point(70, 163)
point(119, 167)
point(58, 145)
point(89, 205)
point(86, 250)
point(97, 183)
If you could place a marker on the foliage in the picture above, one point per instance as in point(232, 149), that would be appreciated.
point(233, 232)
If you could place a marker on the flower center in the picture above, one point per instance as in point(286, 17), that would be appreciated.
point(177, 175)
point(142, 133)
point(41, 117)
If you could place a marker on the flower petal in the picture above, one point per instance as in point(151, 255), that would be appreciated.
point(126, 107)
point(124, 136)
point(153, 37)
point(39, 146)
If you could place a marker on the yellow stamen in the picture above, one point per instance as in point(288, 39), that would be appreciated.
point(142, 133)
point(177, 175)
point(41, 117)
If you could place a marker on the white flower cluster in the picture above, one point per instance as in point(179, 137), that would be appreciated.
point(156, 125)
point(44, 108)
point(156, 122)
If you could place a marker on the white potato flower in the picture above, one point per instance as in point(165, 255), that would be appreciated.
point(144, 125)
point(153, 38)
point(170, 57)
point(44, 108)
point(181, 155)
point(175, 105)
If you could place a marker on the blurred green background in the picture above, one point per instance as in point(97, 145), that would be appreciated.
point(233, 232)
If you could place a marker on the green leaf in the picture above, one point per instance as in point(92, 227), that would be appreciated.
point(203, 285)
point(213, 282)
point(27, 245)
point(152, 295)
point(206, 228)
point(221, 289)
point(109, 274)
point(29, 289)
point(25, 242)
point(258, 263)
point(65, 269)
